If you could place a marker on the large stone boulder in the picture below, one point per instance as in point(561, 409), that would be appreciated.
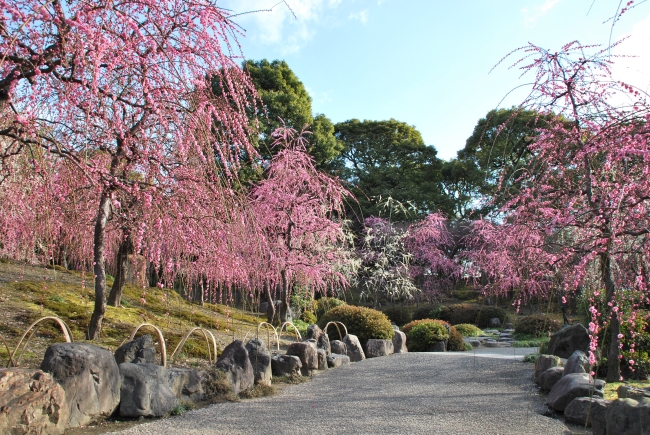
point(322, 340)
point(187, 384)
point(239, 370)
point(335, 360)
point(377, 347)
point(572, 386)
point(90, 377)
point(354, 349)
point(322, 359)
point(282, 365)
point(399, 342)
point(583, 410)
point(260, 358)
point(549, 377)
point(624, 417)
point(494, 322)
point(138, 351)
point(31, 402)
point(578, 362)
point(307, 353)
point(339, 347)
point(630, 392)
point(599, 416)
point(545, 362)
point(569, 339)
point(146, 391)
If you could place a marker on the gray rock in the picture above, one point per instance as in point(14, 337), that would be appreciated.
point(339, 347)
point(578, 362)
point(630, 392)
point(581, 410)
point(32, 403)
point(322, 359)
point(145, 391)
point(545, 362)
point(549, 377)
point(624, 418)
point(377, 347)
point(509, 326)
point(474, 343)
point(308, 355)
point(395, 327)
point(90, 377)
point(285, 365)
point(354, 349)
point(186, 384)
point(138, 351)
point(570, 387)
point(322, 340)
point(399, 342)
point(599, 416)
point(569, 339)
point(336, 360)
point(438, 346)
point(494, 322)
point(260, 359)
point(239, 370)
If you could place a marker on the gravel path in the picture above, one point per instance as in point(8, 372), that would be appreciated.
point(415, 393)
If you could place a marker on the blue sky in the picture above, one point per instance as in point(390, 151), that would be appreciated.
point(427, 62)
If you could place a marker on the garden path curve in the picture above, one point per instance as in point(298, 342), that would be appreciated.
point(414, 393)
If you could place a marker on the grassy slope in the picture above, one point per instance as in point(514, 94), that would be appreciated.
point(59, 293)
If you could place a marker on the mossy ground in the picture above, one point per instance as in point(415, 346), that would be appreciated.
point(611, 387)
point(29, 293)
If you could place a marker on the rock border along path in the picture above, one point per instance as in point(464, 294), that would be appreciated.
point(414, 393)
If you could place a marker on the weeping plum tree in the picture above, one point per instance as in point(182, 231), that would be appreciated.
point(583, 210)
point(300, 213)
point(117, 88)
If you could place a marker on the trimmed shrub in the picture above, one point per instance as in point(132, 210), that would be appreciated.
point(422, 335)
point(365, 323)
point(300, 326)
point(400, 315)
point(475, 314)
point(536, 325)
point(425, 312)
point(468, 330)
point(308, 317)
point(323, 305)
point(455, 341)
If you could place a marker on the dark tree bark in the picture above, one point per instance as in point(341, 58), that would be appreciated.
point(123, 252)
point(95, 325)
point(613, 362)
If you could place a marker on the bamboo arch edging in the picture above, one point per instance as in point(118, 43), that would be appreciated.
point(335, 323)
point(9, 354)
point(268, 334)
point(67, 335)
point(161, 340)
point(294, 328)
point(205, 333)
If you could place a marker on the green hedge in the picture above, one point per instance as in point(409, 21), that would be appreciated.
point(455, 341)
point(365, 323)
point(323, 305)
point(475, 314)
point(400, 315)
point(468, 330)
point(536, 325)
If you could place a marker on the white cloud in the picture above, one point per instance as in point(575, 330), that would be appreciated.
point(534, 13)
point(361, 16)
point(289, 24)
point(634, 70)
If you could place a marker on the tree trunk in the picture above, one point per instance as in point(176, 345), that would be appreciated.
point(284, 298)
point(270, 309)
point(95, 325)
point(126, 248)
point(613, 362)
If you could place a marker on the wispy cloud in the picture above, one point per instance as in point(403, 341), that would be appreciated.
point(361, 16)
point(289, 24)
point(533, 13)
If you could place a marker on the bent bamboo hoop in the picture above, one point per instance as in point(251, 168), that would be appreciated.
point(161, 340)
point(294, 328)
point(10, 363)
point(337, 328)
point(65, 330)
point(268, 334)
point(206, 333)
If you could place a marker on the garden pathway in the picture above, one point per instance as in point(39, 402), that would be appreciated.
point(415, 393)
